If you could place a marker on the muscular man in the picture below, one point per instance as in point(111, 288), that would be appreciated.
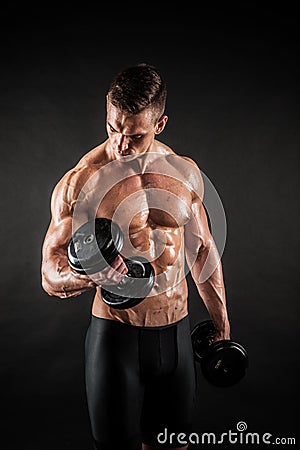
point(140, 376)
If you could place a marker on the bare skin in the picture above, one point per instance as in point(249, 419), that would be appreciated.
point(164, 234)
point(152, 232)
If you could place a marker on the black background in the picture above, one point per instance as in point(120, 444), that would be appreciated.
point(233, 106)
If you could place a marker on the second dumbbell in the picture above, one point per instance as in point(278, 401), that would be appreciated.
point(223, 363)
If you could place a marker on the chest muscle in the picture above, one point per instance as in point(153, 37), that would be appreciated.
point(147, 199)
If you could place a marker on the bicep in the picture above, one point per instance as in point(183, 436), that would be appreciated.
point(57, 237)
point(61, 225)
point(202, 255)
point(197, 230)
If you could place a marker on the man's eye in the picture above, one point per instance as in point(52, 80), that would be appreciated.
point(111, 129)
point(137, 137)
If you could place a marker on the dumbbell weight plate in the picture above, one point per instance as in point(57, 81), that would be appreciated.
point(134, 287)
point(224, 363)
point(95, 245)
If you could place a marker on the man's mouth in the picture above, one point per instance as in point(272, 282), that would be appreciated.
point(124, 152)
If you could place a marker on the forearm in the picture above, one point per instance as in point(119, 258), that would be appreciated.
point(213, 296)
point(211, 289)
point(59, 280)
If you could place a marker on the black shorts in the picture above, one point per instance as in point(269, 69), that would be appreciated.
point(140, 382)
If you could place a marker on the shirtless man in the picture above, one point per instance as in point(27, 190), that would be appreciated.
point(140, 373)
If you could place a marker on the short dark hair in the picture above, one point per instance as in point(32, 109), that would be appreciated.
point(137, 88)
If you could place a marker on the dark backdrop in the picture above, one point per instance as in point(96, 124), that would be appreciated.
point(234, 107)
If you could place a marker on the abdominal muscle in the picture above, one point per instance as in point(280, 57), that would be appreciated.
point(163, 247)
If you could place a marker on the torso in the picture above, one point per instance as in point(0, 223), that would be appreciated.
point(152, 209)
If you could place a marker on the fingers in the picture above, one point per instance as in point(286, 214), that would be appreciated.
point(116, 271)
point(112, 274)
point(118, 265)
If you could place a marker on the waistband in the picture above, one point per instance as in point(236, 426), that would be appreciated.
point(95, 319)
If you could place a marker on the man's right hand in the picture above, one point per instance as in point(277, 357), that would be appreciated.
point(112, 274)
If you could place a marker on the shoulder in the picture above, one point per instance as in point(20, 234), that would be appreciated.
point(94, 156)
point(189, 171)
point(182, 167)
point(73, 181)
point(183, 162)
point(189, 160)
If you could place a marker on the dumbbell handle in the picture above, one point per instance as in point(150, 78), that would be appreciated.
point(136, 269)
point(94, 246)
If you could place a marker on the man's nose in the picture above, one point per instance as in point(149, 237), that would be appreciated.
point(122, 142)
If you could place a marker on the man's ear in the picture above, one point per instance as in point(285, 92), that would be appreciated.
point(161, 124)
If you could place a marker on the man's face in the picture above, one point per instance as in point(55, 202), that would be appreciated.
point(129, 134)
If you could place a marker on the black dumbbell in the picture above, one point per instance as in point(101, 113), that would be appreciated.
point(223, 363)
point(94, 246)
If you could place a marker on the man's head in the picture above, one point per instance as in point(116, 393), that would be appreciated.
point(138, 88)
point(136, 102)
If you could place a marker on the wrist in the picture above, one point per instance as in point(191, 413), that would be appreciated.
point(222, 332)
